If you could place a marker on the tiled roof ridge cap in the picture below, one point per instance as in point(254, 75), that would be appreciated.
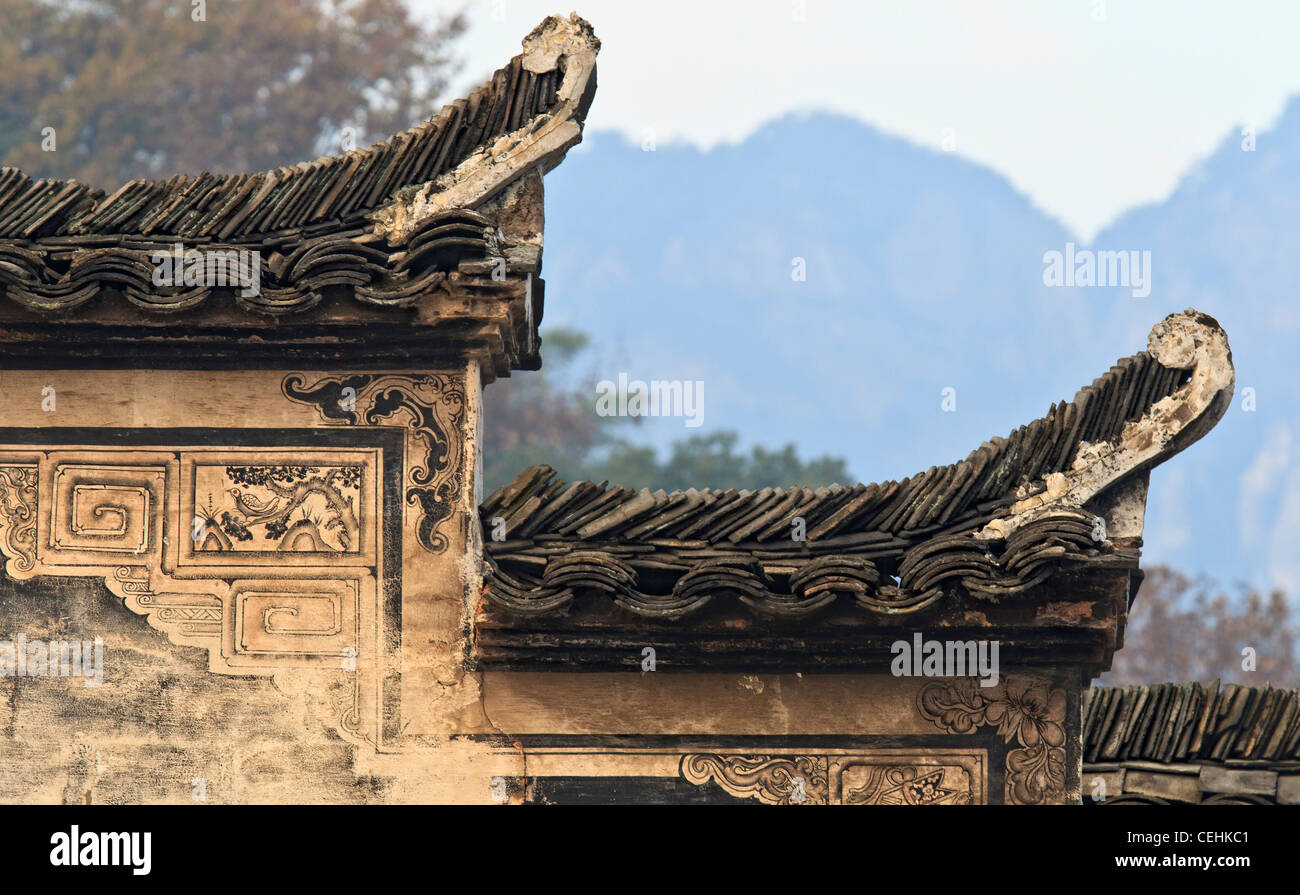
point(70, 207)
point(1168, 424)
point(1190, 340)
point(540, 145)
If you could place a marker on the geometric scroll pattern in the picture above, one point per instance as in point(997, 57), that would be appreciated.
point(106, 509)
point(300, 596)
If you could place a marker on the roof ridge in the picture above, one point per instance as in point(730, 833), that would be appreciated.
point(1025, 471)
point(345, 186)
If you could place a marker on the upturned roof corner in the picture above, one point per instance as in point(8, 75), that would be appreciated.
point(990, 542)
point(431, 239)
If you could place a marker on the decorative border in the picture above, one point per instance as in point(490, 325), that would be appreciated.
point(432, 406)
point(350, 660)
point(782, 780)
point(18, 496)
point(887, 777)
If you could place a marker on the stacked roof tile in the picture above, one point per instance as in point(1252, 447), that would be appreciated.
point(1191, 722)
point(1192, 743)
point(295, 276)
point(63, 243)
point(892, 547)
point(336, 192)
point(944, 498)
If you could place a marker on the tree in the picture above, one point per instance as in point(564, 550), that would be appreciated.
point(549, 417)
point(532, 418)
point(713, 461)
point(1182, 629)
point(150, 88)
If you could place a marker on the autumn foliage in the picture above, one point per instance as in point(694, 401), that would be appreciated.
point(1183, 629)
point(146, 88)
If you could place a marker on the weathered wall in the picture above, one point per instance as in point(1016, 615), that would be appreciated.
point(257, 650)
point(161, 727)
point(323, 654)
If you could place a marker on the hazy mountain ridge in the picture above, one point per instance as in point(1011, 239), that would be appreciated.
point(925, 271)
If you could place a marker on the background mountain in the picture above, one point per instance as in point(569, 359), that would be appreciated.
point(925, 271)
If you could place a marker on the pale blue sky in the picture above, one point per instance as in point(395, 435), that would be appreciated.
point(1088, 114)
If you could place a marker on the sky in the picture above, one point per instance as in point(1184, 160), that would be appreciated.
point(1089, 107)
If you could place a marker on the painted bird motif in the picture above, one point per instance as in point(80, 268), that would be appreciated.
point(253, 509)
